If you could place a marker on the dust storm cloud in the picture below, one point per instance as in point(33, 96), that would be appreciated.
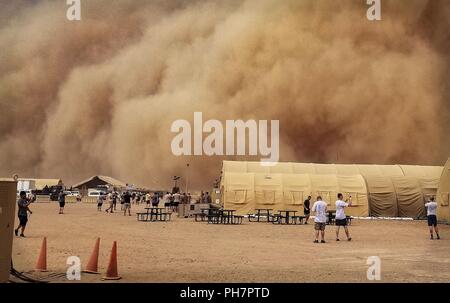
point(98, 96)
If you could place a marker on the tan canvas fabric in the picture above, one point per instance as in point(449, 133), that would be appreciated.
point(268, 191)
point(354, 186)
point(391, 170)
point(443, 194)
point(378, 190)
point(383, 198)
point(303, 168)
point(347, 169)
point(325, 186)
point(282, 168)
point(234, 166)
point(256, 167)
point(410, 199)
point(238, 192)
point(325, 169)
point(296, 188)
point(369, 170)
point(428, 177)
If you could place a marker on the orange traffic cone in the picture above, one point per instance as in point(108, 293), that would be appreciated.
point(111, 273)
point(42, 261)
point(92, 266)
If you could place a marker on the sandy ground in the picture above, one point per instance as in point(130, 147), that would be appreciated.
point(186, 251)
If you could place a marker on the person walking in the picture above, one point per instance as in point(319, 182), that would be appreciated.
point(111, 203)
point(23, 203)
point(100, 199)
point(306, 209)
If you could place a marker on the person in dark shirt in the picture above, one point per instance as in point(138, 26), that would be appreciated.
point(306, 209)
point(155, 200)
point(62, 202)
point(208, 198)
point(23, 204)
point(127, 203)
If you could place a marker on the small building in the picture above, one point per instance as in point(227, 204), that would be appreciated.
point(98, 182)
point(37, 184)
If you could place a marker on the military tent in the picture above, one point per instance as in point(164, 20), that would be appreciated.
point(376, 190)
point(443, 196)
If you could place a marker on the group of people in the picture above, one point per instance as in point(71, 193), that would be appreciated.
point(126, 199)
point(320, 209)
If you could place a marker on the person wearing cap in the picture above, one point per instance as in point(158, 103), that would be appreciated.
point(23, 204)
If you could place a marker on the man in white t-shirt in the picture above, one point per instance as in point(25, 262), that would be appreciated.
point(431, 216)
point(320, 220)
point(341, 218)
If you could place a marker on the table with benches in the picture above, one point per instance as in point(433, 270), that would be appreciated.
point(287, 217)
point(259, 213)
point(154, 214)
point(224, 216)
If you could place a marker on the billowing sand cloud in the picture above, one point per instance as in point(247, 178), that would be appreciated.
point(98, 96)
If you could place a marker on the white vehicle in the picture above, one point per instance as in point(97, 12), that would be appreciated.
point(73, 194)
point(94, 193)
point(28, 192)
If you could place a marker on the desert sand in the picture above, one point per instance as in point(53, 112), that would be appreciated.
point(187, 251)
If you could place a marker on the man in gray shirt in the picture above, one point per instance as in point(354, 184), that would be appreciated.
point(23, 204)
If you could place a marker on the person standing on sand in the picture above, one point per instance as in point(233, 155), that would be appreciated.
point(115, 196)
point(110, 197)
point(432, 219)
point(100, 201)
point(306, 209)
point(341, 218)
point(23, 204)
point(127, 204)
point(62, 201)
point(320, 208)
point(148, 198)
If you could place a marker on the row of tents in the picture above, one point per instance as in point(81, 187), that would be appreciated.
point(375, 190)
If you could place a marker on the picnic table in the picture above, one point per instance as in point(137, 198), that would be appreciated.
point(331, 216)
point(259, 213)
point(203, 214)
point(224, 216)
point(153, 214)
point(286, 217)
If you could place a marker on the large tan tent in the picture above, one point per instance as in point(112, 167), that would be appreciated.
point(443, 196)
point(376, 190)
